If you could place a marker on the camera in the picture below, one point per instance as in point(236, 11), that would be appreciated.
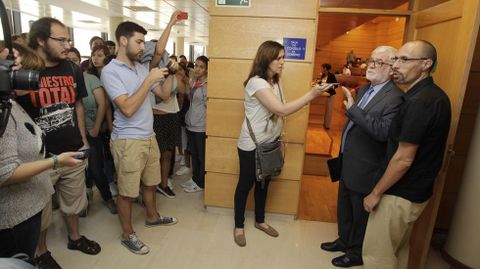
point(171, 71)
point(11, 79)
point(16, 79)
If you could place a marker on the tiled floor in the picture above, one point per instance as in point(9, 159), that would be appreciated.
point(203, 238)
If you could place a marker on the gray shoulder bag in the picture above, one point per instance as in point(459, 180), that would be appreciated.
point(269, 157)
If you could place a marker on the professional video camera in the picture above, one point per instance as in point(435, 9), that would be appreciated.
point(11, 79)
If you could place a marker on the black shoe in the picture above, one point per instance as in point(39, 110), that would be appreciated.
point(333, 246)
point(46, 261)
point(346, 261)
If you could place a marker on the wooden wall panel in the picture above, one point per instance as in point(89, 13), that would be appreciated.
point(270, 8)
point(240, 39)
point(222, 157)
point(235, 35)
point(362, 39)
point(283, 195)
point(225, 118)
point(226, 77)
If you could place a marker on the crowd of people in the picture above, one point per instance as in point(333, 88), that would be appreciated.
point(118, 119)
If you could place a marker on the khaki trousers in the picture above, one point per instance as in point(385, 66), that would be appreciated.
point(387, 238)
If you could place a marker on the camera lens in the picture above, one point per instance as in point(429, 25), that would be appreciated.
point(25, 79)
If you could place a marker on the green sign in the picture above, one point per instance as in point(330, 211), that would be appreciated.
point(233, 3)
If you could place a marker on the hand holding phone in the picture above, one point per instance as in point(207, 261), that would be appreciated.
point(182, 16)
point(82, 154)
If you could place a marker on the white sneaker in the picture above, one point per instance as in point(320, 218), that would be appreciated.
point(183, 171)
point(187, 184)
point(170, 184)
point(193, 188)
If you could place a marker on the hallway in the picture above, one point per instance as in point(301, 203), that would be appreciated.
point(201, 239)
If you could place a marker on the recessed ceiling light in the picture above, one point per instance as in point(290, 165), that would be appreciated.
point(88, 21)
point(140, 8)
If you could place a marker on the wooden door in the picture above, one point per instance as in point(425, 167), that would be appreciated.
point(452, 27)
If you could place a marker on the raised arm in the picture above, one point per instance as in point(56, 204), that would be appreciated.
point(162, 41)
point(271, 102)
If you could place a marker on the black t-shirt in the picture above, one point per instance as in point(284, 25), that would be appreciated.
point(424, 120)
point(52, 106)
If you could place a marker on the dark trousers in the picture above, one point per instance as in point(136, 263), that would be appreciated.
point(22, 238)
point(95, 170)
point(196, 143)
point(245, 183)
point(352, 219)
point(108, 166)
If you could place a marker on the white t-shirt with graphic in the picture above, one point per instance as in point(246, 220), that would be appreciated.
point(266, 126)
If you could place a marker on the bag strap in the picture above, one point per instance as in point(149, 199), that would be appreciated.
point(250, 130)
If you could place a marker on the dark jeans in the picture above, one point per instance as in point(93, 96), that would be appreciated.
point(22, 238)
point(95, 170)
point(352, 220)
point(196, 142)
point(108, 165)
point(245, 183)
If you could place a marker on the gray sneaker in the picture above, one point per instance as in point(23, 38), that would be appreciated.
point(135, 245)
point(162, 221)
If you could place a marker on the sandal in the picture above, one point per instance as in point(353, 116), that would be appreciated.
point(84, 245)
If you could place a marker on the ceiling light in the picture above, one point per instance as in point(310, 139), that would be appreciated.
point(140, 9)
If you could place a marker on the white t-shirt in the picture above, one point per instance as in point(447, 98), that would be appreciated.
point(265, 127)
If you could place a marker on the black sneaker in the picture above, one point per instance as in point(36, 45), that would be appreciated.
point(46, 261)
point(166, 191)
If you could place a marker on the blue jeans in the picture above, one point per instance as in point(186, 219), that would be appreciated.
point(95, 170)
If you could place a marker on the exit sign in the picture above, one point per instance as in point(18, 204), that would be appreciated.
point(233, 3)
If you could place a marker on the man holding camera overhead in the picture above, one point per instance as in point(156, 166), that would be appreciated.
point(133, 145)
point(57, 108)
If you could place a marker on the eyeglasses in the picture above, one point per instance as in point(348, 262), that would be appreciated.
point(376, 63)
point(404, 59)
point(62, 40)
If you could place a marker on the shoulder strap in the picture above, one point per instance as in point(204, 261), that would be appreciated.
point(250, 130)
point(280, 91)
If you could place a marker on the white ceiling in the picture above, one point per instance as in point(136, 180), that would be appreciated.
point(74, 12)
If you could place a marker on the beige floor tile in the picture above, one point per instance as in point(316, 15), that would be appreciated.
point(203, 238)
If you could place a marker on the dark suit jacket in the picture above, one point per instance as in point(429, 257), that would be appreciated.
point(365, 144)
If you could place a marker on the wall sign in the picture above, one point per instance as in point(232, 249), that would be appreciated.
point(295, 48)
point(233, 3)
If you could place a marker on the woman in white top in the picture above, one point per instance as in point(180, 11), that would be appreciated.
point(264, 109)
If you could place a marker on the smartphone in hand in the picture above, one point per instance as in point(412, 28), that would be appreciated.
point(83, 154)
point(182, 16)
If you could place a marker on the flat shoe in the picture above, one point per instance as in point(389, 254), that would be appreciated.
point(270, 231)
point(240, 239)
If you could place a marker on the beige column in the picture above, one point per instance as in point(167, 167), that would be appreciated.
point(113, 22)
point(179, 43)
point(463, 240)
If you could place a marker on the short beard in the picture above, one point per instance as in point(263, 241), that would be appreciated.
point(50, 57)
point(132, 56)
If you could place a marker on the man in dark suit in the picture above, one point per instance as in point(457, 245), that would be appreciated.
point(362, 152)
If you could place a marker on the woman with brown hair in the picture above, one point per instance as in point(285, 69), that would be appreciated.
point(95, 104)
point(265, 106)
